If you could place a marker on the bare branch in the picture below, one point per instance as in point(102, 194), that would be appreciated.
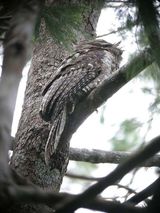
point(112, 207)
point(117, 30)
point(82, 177)
point(142, 195)
point(87, 178)
point(26, 192)
point(118, 1)
point(152, 148)
point(100, 156)
point(31, 195)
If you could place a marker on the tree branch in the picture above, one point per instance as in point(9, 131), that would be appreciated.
point(100, 156)
point(16, 51)
point(87, 178)
point(142, 195)
point(31, 195)
point(26, 192)
point(101, 94)
point(134, 23)
point(152, 148)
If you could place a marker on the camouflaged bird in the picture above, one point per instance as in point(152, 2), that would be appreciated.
point(80, 73)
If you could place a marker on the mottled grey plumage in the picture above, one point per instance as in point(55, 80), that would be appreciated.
point(89, 65)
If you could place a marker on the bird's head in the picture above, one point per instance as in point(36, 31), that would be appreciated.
point(100, 44)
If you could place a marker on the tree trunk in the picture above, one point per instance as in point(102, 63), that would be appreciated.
point(28, 155)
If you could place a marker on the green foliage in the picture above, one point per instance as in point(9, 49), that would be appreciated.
point(97, 3)
point(37, 27)
point(152, 72)
point(141, 38)
point(102, 118)
point(65, 22)
point(147, 90)
point(127, 19)
point(134, 66)
point(127, 137)
point(152, 78)
point(62, 22)
point(155, 106)
point(83, 168)
point(130, 22)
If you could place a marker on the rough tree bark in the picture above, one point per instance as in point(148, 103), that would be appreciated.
point(28, 155)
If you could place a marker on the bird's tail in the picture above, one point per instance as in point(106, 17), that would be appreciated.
point(55, 136)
